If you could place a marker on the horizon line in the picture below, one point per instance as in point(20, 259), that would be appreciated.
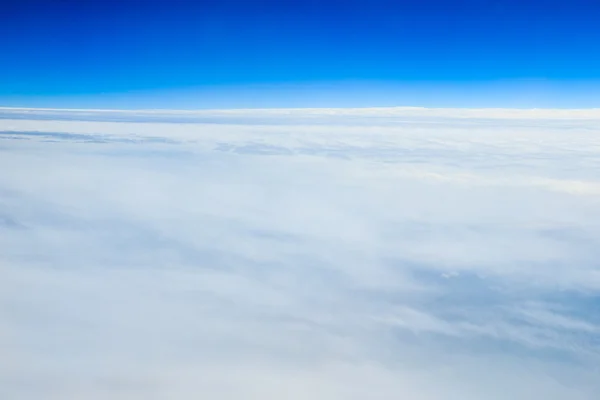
point(451, 112)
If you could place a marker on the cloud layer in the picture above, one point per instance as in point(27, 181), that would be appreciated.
point(322, 254)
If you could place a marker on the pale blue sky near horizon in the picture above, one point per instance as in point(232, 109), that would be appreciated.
point(522, 94)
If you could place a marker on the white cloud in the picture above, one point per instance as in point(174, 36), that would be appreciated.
point(325, 254)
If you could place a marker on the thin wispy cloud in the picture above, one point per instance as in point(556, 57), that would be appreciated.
point(322, 254)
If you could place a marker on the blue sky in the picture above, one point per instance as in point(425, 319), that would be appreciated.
point(230, 53)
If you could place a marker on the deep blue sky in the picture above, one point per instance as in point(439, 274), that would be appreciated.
point(322, 53)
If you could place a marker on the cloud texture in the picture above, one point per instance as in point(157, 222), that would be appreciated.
point(300, 254)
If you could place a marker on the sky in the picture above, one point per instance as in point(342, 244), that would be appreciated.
point(328, 53)
point(325, 254)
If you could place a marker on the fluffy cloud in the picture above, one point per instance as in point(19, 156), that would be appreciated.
point(324, 254)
